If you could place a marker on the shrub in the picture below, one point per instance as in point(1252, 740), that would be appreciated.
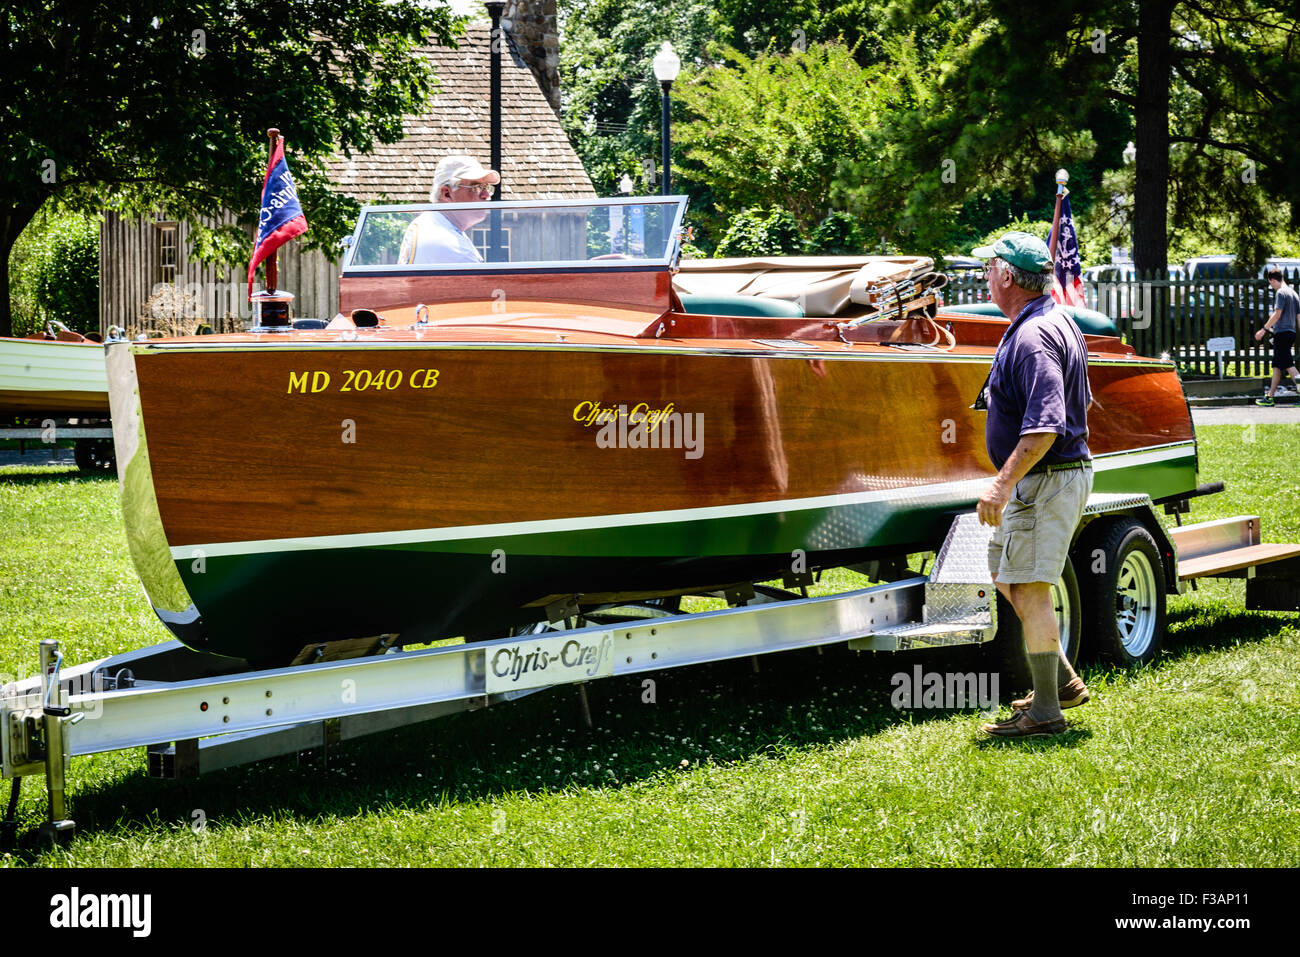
point(837, 235)
point(54, 273)
point(759, 232)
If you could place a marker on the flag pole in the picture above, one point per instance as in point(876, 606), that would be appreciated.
point(272, 273)
point(1062, 177)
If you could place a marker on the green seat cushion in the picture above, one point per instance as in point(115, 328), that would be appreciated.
point(1090, 321)
point(735, 305)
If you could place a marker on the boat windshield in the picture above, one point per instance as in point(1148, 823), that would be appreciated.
point(642, 231)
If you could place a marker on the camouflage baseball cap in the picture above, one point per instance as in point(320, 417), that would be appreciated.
point(1020, 249)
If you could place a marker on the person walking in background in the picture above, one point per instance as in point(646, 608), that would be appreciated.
point(1282, 323)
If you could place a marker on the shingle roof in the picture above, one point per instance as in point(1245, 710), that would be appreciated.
point(537, 160)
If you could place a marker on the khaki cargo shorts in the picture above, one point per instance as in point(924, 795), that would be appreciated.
point(1038, 525)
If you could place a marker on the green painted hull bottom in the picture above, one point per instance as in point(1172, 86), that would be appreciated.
point(267, 606)
point(1157, 479)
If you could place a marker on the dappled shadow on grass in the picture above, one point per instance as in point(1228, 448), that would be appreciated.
point(1071, 737)
point(1194, 630)
point(53, 473)
point(718, 714)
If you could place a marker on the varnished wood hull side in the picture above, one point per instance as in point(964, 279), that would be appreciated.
point(496, 439)
point(292, 513)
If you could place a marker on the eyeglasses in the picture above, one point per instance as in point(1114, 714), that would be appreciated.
point(482, 189)
point(988, 268)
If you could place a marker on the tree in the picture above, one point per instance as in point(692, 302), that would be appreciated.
point(1208, 88)
point(737, 134)
point(773, 129)
point(165, 105)
point(839, 234)
point(814, 131)
point(611, 101)
point(55, 267)
point(758, 232)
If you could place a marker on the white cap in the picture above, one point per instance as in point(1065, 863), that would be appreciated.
point(459, 168)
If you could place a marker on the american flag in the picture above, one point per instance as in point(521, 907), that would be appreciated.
point(1067, 281)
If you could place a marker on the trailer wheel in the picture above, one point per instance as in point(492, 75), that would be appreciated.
point(94, 455)
point(1124, 601)
point(1006, 652)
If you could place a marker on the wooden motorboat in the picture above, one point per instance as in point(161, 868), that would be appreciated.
point(58, 373)
point(469, 444)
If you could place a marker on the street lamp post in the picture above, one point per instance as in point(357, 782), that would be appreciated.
point(495, 43)
point(667, 65)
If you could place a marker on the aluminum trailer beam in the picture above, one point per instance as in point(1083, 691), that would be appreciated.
point(60, 432)
point(149, 711)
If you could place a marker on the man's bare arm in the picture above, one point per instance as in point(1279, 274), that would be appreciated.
point(1028, 451)
point(1268, 326)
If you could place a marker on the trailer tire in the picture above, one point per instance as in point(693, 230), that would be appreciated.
point(1006, 655)
point(1124, 602)
point(94, 455)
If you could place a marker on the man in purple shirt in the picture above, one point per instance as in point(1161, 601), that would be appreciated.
point(1037, 438)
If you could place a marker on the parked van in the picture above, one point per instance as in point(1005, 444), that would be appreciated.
point(1109, 288)
point(1290, 267)
point(1211, 267)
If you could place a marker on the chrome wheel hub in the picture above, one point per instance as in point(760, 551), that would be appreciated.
point(1061, 605)
point(1135, 603)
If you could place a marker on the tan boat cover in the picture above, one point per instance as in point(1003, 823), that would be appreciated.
point(821, 285)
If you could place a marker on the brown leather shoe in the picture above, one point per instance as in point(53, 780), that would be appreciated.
point(1022, 726)
point(1072, 694)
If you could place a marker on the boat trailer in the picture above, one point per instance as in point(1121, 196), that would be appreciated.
point(196, 713)
point(92, 438)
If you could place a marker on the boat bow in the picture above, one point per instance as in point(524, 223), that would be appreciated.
point(146, 537)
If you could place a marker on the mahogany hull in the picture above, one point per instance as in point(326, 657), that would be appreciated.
point(315, 504)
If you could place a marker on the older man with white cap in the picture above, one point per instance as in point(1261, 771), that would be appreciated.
point(438, 237)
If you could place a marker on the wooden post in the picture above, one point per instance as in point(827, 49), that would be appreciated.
point(272, 272)
point(1062, 177)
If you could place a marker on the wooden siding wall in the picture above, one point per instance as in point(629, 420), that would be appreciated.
point(126, 270)
point(215, 295)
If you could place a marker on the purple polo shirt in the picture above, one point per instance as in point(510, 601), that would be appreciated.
point(1039, 383)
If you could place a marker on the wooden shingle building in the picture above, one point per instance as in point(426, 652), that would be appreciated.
point(148, 280)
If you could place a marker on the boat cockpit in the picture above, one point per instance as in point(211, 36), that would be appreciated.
point(618, 262)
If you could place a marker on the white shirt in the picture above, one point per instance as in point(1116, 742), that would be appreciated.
point(433, 238)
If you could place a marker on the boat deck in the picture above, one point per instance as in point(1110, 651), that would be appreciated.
point(672, 331)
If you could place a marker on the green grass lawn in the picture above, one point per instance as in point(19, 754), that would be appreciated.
point(1194, 761)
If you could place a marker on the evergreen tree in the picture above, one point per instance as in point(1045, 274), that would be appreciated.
point(1209, 89)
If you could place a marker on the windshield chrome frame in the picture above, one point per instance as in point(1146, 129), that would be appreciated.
point(662, 262)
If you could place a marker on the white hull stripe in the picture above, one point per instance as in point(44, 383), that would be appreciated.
point(906, 496)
